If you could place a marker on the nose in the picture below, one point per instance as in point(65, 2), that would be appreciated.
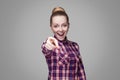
point(60, 28)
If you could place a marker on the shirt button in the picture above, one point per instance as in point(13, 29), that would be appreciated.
point(66, 56)
point(60, 62)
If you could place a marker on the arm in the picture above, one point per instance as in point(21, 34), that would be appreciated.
point(62, 56)
point(81, 70)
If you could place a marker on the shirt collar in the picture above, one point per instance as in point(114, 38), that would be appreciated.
point(61, 41)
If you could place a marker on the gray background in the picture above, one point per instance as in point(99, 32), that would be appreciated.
point(24, 25)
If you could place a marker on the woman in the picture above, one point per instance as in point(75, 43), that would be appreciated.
point(62, 55)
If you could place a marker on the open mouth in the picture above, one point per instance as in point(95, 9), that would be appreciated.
point(60, 34)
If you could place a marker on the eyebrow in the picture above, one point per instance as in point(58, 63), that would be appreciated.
point(57, 23)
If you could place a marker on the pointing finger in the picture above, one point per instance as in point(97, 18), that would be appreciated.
point(53, 41)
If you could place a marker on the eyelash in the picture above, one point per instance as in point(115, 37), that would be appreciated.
point(65, 25)
point(58, 26)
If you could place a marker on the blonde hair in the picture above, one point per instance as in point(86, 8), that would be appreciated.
point(58, 11)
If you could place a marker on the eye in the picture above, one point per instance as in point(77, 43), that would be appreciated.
point(55, 26)
point(65, 25)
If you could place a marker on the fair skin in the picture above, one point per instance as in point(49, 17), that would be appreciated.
point(60, 28)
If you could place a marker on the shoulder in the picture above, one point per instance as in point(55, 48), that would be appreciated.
point(75, 44)
point(72, 42)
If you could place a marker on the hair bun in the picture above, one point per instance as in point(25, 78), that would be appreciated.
point(57, 9)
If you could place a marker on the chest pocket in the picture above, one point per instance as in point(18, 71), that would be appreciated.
point(72, 59)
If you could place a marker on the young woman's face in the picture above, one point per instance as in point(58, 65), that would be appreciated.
point(60, 27)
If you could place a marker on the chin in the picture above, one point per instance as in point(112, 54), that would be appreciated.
point(61, 38)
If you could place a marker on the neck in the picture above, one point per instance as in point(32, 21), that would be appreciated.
point(65, 39)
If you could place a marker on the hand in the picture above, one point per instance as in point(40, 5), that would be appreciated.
point(51, 43)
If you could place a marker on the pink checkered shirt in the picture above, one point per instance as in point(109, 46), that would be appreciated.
point(64, 63)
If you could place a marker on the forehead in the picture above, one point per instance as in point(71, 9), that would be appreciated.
point(59, 19)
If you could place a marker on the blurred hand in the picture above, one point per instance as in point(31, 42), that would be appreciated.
point(51, 43)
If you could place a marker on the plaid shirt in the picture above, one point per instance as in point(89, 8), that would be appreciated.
point(64, 63)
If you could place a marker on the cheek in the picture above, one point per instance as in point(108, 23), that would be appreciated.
point(54, 30)
point(66, 29)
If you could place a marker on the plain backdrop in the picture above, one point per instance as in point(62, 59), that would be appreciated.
point(24, 25)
